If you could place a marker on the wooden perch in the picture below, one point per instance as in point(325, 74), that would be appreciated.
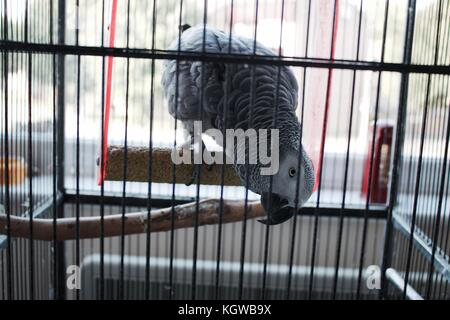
point(135, 223)
point(162, 168)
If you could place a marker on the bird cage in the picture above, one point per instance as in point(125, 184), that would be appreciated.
point(93, 205)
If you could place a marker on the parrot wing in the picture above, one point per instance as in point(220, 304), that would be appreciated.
point(190, 83)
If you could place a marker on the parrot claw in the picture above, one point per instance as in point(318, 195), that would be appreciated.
point(195, 171)
point(184, 27)
point(194, 177)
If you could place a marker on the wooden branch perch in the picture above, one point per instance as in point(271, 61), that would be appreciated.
point(162, 168)
point(135, 223)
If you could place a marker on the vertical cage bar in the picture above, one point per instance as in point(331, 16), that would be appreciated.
point(150, 158)
point(398, 150)
point(347, 159)
point(102, 164)
point(250, 118)
point(125, 162)
point(31, 254)
point(321, 157)
point(54, 244)
point(296, 208)
point(443, 176)
point(275, 121)
point(420, 165)
point(60, 84)
point(174, 175)
point(9, 264)
point(222, 172)
point(198, 166)
point(372, 155)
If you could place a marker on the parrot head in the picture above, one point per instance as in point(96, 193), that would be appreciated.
point(292, 186)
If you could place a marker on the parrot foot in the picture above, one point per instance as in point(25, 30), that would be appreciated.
point(195, 174)
point(194, 177)
point(196, 170)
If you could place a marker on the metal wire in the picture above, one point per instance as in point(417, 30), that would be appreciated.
point(172, 232)
point(347, 158)
point(222, 171)
point(250, 121)
point(6, 152)
point(294, 226)
point(322, 144)
point(372, 154)
point(150, 160)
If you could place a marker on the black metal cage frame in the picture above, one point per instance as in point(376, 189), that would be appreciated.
point(421, 246)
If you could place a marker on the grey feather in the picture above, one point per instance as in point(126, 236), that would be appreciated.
point(185, 81)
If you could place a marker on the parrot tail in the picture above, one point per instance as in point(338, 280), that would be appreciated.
point(184, 27)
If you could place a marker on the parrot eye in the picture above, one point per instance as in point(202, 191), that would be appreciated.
point(292, 172)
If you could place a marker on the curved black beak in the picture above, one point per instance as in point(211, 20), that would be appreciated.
point(279, 212)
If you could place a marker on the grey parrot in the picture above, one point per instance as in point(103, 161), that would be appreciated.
point(227, 90)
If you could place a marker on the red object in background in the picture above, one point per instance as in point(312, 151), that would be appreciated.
point(104, 146)
point(380, 166)
point(318, 179)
